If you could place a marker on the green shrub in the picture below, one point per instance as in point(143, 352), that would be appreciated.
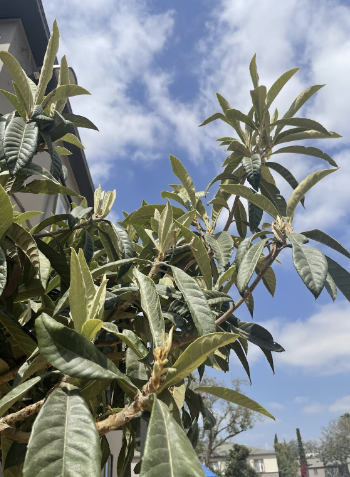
point(102, 325)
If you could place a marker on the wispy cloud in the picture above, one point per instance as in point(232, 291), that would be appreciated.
point(315, 345)
point(339, 406)
point(275, 405)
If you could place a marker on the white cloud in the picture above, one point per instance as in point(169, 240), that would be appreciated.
point(300, 399)
point(341, 405)
point(275, 405)
point(315, 345)
point(112, 50)
point(315, 408)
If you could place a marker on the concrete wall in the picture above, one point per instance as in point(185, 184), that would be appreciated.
point(13, 39)
point(115, 443)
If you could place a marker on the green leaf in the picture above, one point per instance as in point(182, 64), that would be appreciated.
point(305, 123)
point(286, 174)
point(180, 172)
point(273, 194)
point(64, 439)
point(258, 96)
point(177, 197)
point(304, 186)
point(195, 354)
point(72, 139)
point(35, 169)
point(257, 199)
point(311, 265)
point(331, 287)
point(80, 121)
point(129, 338)
point(13, 458)
point(49, 59)
point(168, 451)
point(243, 247)
point(307, 151)
point(21, 336)
point(19, 77)
point(91, 327)
point(58, 261)
point(15, 394)
point(16, 103)
point(340, 276)
point(225, 276)
point(20, 143)
point(62, 151)
point(135, 369)
point(240, 216)
point(278, 85)
point(25, 242)
point(252, 167)
point(6, 212)
point(248, 264)
point(255, 216)
point(326, 239)
point(146, 212)
point(300, 101)
point(269, 279)
point(3, 271)
point(62, 93)
point(34, 363)
point(166, 229)
point(151, 306)
point(201, 255)
point(238, 116)
point(214, 117)
point(299, 134)
point(21, 218)
point(236, 145)
point(255, 333)
point(222, 245)
point(235, 397)
point(202, 315)
point(254, 72)
point(62, 79)
point(112, 266)
point(76, 356)
point(38, 186)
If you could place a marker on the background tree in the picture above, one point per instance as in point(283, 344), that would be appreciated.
point(302, 455)
point(312, 447)
point(225, 421)
point(335, 443)
point(237, 464)
point(287, 463)
point(103, 324)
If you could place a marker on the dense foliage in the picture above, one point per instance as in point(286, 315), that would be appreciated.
point(102, 324)
point(335, 443)
point(287, 464)
point(237, 465)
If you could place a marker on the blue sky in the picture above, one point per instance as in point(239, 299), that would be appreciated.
point(153, 68)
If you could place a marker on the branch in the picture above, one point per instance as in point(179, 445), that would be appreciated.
point(76, 227)
point(9, 375)
point(250, 289)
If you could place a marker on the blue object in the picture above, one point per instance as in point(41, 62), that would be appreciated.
point(208, 472)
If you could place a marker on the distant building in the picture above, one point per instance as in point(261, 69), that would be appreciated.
point(316, 468)
point(263, 461)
